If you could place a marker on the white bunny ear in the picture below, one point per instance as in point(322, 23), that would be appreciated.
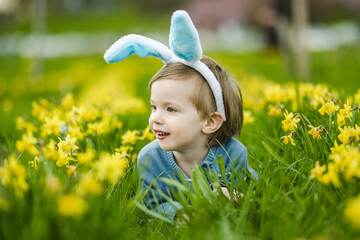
point(184, 38)
point(185, 48)
point(140, 45)
point(185, 43)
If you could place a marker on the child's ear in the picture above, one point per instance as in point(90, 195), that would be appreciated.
point(213, 123)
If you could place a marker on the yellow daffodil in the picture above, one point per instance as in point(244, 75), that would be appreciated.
point(124, 150)
point(316, 101)
point(147, 134)
point(72, 206)
point(71, 169)
point(331, 176)
point(275, 93)
point(275, 110)
point(248, 117)
point(352, 211)
point(341, 120)
point(53, 125)
point(349, 134)
point(50, 150)
point(13, 174)
point(290, 122)
point(98, 128)
point(63, 159)
point(68, 101)
point(5, 171)
point(328, 108)
point(75, 115)
point(351, 163)
point(77, 132)
point(27, 143)
point(68, 145)
point(118, 124)
point(90, 113)
point(337, 148)
point(315, 132)
point(346, 111)
point(91, 129)
point(88, 185)
point(30, 128)
point(86, 157)
point(317, 171)
point(20, 123)
point(125, 105)
point(288, 139)
point(35, 163)
point(357, 97)
point(111, 167)
point(345, 160)
point(129, 137)
point(40, 110)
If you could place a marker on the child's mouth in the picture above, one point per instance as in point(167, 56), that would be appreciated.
point(161, 135)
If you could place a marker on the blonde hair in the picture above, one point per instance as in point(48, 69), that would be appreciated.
point(203, 98)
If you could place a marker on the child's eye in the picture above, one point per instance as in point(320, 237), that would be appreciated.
point(170, 109)
point(153, 107)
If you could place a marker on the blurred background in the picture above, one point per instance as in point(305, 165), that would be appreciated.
point(54, 81)
point(50, 47)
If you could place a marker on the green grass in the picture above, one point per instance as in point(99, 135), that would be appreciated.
point(284, 204)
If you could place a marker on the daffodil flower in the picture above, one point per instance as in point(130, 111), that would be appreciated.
point(328, 108)
point(346, 111)
point(72, 206)
point(290, 122)
point(317, 171)
point(35, 163)
point(288, 139)
point(68, 145)
point(349, 134)
point(352, 211)
point(315, 132)
point(129, 137)
point(28, 143)
point(53, 125)
point(248, 117)
point(147, 134)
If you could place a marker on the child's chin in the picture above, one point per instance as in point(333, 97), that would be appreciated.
point(165, 147)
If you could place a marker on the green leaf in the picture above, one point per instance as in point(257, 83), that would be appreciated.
point(153, 213)
point(174, 183)
point(274, 154)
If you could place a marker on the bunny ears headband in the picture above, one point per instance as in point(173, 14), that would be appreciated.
point(185, 48)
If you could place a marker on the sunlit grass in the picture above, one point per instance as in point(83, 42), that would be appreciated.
point(93, 192)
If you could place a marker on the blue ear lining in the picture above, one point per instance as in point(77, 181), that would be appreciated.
point(184, 39)
point(140, 45)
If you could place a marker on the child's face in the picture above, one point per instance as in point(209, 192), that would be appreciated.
point(174, 120)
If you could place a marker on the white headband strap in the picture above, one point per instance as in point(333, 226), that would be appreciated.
point(185, 48)
point(213, 83)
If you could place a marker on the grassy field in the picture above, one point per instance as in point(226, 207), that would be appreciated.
point(69, 141)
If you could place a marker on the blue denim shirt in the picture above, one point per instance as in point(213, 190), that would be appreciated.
point(154, 161)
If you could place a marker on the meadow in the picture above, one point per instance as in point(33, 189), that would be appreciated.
point(69, 141)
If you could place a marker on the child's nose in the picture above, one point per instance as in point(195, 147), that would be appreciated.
point(156, 117)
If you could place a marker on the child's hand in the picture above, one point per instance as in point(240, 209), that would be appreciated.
point(225, 191)
point(181, 221)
